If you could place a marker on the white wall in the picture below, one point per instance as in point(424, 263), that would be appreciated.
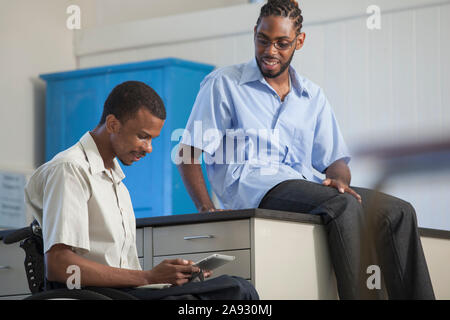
point(387, 86)
point(119, 11)
point(33, 40)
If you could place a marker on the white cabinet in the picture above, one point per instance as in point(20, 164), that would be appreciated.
point(283, 259)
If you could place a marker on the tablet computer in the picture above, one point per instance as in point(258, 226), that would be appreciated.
point(214, 261)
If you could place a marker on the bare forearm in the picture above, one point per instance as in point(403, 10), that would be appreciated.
point(60, 257)
point(339, 171)
point(91, 273)
point(192, 176)
point(193, 179)
point(338, 176)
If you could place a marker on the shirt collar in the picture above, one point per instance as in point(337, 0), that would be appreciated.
point(95, 159)
point(252, 73)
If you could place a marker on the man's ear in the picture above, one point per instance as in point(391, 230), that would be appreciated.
point(300, 41)
point(112, 124)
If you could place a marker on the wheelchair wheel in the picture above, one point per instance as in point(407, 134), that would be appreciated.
point(66, 294)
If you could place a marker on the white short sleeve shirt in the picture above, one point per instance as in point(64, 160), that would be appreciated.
point(79, 203)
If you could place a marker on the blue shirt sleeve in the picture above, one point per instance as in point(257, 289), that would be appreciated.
point(210, 116)
point(328, 145)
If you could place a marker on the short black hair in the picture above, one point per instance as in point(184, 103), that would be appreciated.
point(128, 98)
point(283, 8)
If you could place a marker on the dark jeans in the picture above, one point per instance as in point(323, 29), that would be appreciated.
point(381, 231)
point(221, 288)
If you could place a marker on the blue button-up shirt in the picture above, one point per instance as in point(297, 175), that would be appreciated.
point(252, 140)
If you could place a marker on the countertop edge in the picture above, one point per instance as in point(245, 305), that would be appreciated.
point(227, 215)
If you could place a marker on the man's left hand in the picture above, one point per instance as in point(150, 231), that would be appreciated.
point(341, 187)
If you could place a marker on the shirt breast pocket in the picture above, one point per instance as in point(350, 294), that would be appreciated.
point(300, 146)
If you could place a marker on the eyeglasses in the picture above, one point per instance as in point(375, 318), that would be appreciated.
point(279, 44)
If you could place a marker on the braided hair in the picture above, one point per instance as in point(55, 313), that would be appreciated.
point(283, 8)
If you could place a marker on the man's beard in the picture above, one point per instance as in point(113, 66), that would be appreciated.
point(282, 68)
point(124, 163)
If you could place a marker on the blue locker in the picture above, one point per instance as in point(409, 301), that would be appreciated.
point(74, 104)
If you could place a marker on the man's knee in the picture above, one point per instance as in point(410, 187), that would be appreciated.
point(386, 207)
point(246, 290)
point(343, 206)
point(392, 211)
point(402, 212)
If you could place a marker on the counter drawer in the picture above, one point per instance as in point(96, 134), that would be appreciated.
point(201, 237)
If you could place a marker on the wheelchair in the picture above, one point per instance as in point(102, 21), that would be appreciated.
point(32, 243)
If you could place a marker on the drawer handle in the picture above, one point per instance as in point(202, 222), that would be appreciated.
point(5, 267)
point(209, 236)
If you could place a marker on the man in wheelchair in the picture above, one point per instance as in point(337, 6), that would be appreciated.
point(86, 213)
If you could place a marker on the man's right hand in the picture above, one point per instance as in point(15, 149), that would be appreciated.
point(204, 209)
point(175, 271)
